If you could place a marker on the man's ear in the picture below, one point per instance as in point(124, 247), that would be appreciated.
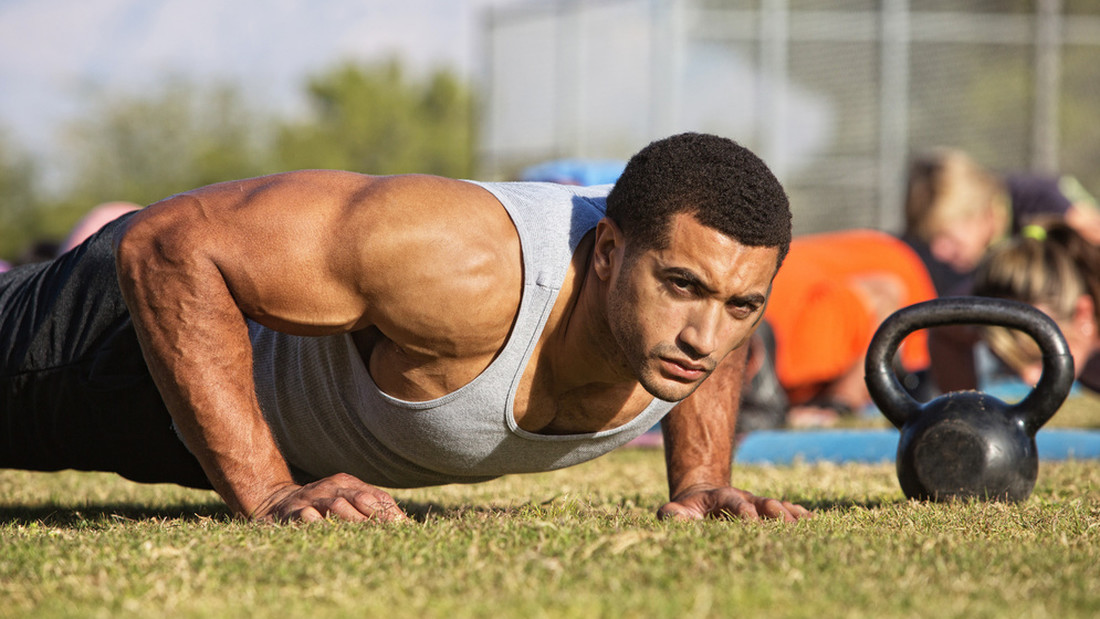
point(607, 248)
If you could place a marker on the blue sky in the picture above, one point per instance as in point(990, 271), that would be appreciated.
point(55, 53)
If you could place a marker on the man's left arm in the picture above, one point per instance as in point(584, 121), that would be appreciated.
point(699, 442)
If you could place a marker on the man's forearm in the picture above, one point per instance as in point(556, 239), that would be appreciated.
point(699, 432)
point(195, 342)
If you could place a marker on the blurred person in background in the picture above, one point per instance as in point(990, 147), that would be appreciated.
point(1056, 270)
point(40, 250)
point(99, 216)
point(955, 210)
point(45, 249)
point(833, 292)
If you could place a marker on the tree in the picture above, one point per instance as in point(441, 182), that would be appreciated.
point(18, 203)
point(373, 119)
point(143, 149)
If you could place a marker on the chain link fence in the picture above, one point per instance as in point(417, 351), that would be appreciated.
point(835, 95)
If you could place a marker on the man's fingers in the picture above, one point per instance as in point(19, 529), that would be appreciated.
point(363, 504)
point(733, 504)
point(797, 511)
point(342, 509)
point(342, 496)
point(743, 510)
point(380, 507)
point(784, 510)
point(771, 508)
point(678, 511)
point(306, 514)
point(358, 510)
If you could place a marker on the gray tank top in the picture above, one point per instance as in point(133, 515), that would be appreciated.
point(328, 416)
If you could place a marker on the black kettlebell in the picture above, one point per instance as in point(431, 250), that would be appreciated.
point(968, 444)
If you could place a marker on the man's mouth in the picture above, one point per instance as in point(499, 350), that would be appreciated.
point(683, 370)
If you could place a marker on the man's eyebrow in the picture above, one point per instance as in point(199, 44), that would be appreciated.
point(691, 277)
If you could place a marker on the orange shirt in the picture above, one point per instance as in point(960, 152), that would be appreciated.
point(822, 319)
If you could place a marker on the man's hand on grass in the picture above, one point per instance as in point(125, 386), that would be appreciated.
point(342, 496)
point(729, 502)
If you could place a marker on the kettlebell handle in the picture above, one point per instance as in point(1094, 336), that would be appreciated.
point(898, 406)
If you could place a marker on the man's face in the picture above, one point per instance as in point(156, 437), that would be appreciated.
point(676, 312)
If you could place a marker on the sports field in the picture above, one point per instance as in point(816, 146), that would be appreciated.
point(581, 542)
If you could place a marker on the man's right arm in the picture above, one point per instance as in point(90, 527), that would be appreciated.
point(195, 341)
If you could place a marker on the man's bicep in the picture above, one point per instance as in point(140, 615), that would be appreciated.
point(318, 252)
point(275, 262)
point(321, 252)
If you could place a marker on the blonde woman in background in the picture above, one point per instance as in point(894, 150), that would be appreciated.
point(1057, 271)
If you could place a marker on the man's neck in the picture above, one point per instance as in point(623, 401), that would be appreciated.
point(581, 350)
point(579, 382)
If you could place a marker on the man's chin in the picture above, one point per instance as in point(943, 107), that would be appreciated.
point(669, 390)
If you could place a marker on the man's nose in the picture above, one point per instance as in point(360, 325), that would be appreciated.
point(702, 334)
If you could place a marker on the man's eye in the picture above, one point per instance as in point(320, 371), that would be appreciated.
point(681, 284)
point(746, 308)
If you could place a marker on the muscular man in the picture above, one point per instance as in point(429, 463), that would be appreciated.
point(294, 341)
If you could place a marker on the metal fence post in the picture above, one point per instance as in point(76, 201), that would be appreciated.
point(893, 111)
point(1048, 83)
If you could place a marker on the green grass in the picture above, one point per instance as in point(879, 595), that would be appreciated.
point(1079, 411)
point(581, 542)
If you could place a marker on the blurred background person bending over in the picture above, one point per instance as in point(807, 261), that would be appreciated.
point(1057, 271)
point(832, 293)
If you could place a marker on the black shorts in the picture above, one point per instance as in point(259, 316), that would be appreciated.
point(75, 392)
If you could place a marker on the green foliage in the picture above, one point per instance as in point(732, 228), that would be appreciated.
point(144, 147)
point(375, 120)
point(141, 148)
point(582, 542)
point(18, 201)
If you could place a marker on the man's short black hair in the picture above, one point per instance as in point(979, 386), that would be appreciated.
point(723, 184)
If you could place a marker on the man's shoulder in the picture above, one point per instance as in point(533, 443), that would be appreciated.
point(543, 192)
point(550, 217)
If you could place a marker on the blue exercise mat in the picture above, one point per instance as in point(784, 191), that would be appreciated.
point(575, 171)
point(786, 446)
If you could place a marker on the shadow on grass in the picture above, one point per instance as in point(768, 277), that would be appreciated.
point(423, 512)
point(94, 514)
point(110, 513)
point(840, 505)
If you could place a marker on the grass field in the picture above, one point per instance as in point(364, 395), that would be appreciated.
point(581, 542)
